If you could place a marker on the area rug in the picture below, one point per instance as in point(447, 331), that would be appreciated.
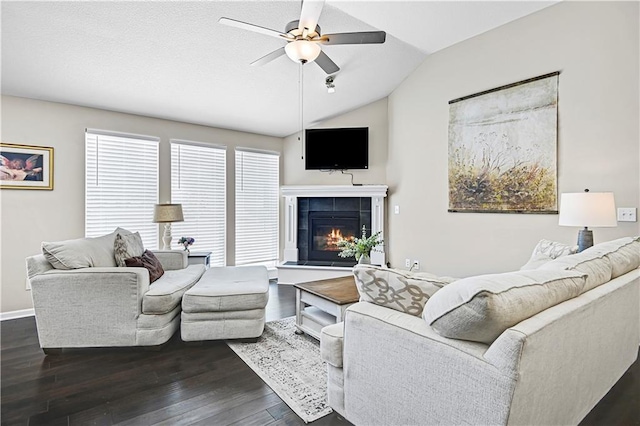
point(289, 364)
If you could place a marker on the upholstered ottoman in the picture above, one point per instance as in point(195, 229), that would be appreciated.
point(227, 303)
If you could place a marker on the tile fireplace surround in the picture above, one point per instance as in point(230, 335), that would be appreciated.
point(289, 272)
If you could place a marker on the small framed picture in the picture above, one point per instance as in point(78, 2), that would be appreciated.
point(26, 167)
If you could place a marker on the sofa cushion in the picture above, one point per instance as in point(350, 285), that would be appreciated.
point(623, 253)
point(127, 246)
point(593, 263)
point(395, 289)
point(233, 288)
point(480, 308)
point(545, 251)
point(149, 262)
point(81, 252)
point(166, 293)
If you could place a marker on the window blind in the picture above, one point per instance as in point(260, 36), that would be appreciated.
point(121, 184)
point(198, 182)
point(257, 206)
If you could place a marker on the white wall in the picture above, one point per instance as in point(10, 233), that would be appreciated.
point(373, 116)
point(595, 45)
point(29, 217)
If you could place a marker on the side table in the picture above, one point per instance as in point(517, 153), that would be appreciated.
point(322, 303)
point(200, 258)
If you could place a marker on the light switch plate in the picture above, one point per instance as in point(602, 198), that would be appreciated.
point(627, 214)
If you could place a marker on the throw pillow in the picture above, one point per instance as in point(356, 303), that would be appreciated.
point(127, 246)
point(149, 261)
point(81, 252)
point(395, 289)
point(623, 253)
point(480, 308)
point(554, 249)
point(595, 265)
point(546, 251)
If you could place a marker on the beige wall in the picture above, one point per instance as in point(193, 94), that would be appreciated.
point(373, 116)
point(595, 46)
point(29, 217)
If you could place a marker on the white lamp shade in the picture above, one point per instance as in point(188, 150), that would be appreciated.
point(302, 50)
point(167, 213)
point(595, 209)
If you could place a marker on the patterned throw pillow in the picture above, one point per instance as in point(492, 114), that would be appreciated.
point(395, 289)
point(546, 251)
point(126, 246)
point(149, 261)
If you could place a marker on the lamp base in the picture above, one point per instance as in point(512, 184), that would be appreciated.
point(166, 238)
point(585, 239)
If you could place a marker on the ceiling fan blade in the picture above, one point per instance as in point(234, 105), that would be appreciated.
point(255, 28)
point(326, 63)
point(269, 57)
point(310, 14)
point(366, 37)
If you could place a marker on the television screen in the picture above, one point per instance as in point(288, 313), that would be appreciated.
point(337, 149)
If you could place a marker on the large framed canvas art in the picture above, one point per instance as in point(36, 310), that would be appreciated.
point(26, 167)
point(503, 149)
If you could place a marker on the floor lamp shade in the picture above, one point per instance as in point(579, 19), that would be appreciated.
point(584, 209)
point(167, 213)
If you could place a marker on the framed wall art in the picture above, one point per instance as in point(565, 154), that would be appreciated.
point(503, 149)
point(26, 167)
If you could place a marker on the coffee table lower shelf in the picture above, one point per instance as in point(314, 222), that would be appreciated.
point(322, 303)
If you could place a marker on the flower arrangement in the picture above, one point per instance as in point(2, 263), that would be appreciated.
point(358, 247)
point(186, 242)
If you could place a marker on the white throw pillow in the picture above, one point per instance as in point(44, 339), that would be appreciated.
point(400, 290)
point(81, 253)
point(480, 308)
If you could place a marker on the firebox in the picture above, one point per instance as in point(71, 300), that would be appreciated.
point(326, 228)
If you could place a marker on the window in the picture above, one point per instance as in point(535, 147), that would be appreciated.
point(257, 206)
point(121, 184)
point(198, 182)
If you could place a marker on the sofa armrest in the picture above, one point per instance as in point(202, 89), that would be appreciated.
point(88, 306)
point(398, 370)
point(331, 339)
point(172, 260)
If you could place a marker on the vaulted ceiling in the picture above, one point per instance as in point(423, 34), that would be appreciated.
point(173, 60)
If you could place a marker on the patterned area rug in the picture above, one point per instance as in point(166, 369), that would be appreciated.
point(290, 364)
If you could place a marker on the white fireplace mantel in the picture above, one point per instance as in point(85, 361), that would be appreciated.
point(377, 193)
point(335, 191)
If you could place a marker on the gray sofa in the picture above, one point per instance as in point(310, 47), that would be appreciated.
point(98, 304)
point(390, 367)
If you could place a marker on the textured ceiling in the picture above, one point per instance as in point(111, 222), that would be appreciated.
point(174, 60)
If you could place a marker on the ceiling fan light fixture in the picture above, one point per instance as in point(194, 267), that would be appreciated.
point(302, 51)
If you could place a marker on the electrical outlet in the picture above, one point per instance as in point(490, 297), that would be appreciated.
point(407, 263)
point(627, 214)
point(416, 265)
point(396, 209)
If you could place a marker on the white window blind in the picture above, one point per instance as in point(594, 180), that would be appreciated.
point(121, 184)
point(257, 201)
point(198, 182)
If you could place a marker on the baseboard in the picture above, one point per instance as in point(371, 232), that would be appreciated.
point(16, 314)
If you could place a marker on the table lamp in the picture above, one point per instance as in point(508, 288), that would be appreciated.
point(595, 209)
point(167, 213)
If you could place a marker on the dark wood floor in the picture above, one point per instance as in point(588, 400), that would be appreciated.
point(179, 385)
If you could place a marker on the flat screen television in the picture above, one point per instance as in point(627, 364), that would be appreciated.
point(337, 149)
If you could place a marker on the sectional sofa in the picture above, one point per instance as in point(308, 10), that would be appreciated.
point(539, 346)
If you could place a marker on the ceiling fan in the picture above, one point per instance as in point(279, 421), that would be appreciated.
point(304, 38)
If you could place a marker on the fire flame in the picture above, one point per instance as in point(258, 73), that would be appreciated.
point(332, 238)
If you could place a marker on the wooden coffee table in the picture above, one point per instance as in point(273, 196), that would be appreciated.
point(322, 303)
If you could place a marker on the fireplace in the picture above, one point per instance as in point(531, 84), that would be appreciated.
point(326, 229)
